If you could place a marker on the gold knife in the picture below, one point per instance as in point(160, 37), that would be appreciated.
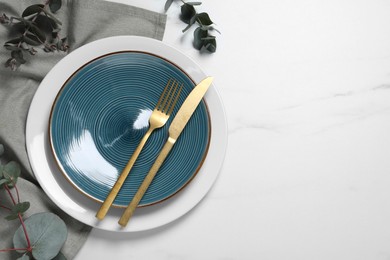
point(179, 122)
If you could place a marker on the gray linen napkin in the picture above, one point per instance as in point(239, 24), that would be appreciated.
point(83, 21)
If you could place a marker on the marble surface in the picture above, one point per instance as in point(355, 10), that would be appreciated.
point(306, 87)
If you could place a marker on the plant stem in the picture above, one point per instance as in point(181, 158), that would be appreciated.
point(12, 249)
point(10, 194)
point(4, 207)
point(32, 20)
point(29, 248)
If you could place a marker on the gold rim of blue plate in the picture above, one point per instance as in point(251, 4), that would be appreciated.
point(101, 113)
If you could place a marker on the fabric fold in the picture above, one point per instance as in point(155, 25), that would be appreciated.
point(83, 21)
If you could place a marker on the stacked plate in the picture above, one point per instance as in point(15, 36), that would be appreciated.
point(88, 116)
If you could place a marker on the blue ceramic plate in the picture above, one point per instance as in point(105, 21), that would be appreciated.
point(101, 114)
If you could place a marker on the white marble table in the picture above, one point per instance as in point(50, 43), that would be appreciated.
point(306, 87)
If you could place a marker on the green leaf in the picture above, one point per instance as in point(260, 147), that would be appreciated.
point(13, 45)
point(18, 208)
point(38, 33)
point(22, 20)
point(11, 217)
point(194, 3)
point(11, 172)
point(187, 12)
point(2, 181)
point(210, 44)
point(18, 55)
point(12, 48)
point(204, 19)
point(168, 4)
point(199, 34)
point(21, 207)
point(52, 17)
point(31, 39)
point(47, 233)
point(32, 9)
point(13, 41)
point(55, 5)
point(45, 23)
point(1, 149)
point(191, 22)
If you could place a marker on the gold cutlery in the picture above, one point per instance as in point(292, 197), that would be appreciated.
point(158, 118)
point(179, 122)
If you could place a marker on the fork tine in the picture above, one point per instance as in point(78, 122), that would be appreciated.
point(163, 94)
point(173, 103)
point(169, 95)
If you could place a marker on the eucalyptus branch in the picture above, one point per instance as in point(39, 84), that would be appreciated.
point(41, 235)
point(202, 37)
point(41, 29)
point(20, 217)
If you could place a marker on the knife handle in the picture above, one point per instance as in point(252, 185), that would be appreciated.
point(145, 184)
point(121, 179)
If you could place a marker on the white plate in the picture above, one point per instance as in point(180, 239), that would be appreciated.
point(76, 204)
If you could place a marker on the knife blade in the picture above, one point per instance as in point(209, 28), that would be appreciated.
point(177, 126)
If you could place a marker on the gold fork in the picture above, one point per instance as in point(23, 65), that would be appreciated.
point(158, 118)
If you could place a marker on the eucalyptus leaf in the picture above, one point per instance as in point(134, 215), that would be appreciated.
point(11, 217)
point(55, 5)
point(38, 33)
point(13, 41)
point(12, 47)
point(194, 3)
point(45, 23)
point(1, 173)
point(2, 181)
point(199, 34)
point(187, 12)
point(209, 37)
point(211, 45)
point(212, 28)
point(31, 39)
point(21, 207)
point(191, 22)
point(18, 55)
point(168, 4)
point(18, 208)
point(52, 17)
point(11, 171)
point(22, 20)
point(32, 9)
point(204, 19)
point(47, 233)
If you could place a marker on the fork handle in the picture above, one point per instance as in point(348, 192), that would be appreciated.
point(121, 179)
point(147, 181)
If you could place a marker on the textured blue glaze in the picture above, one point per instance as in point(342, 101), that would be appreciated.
point(102, 112)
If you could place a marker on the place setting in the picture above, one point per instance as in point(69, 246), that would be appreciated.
point(126, 134)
